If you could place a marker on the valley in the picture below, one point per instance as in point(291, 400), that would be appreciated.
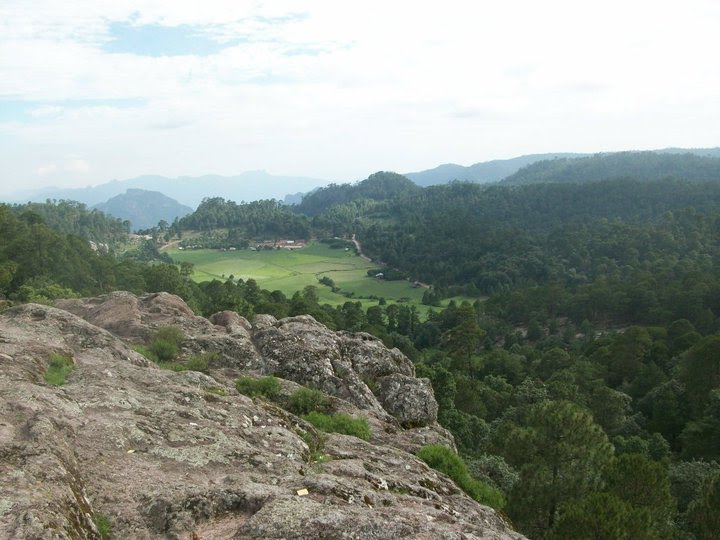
point(293, 270)
point(589, 315)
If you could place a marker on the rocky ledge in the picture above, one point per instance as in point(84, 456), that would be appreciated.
point(153, 453)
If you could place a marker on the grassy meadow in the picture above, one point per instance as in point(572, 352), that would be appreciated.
point(290, 271)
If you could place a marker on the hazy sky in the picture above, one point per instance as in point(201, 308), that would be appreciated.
point(95, 90)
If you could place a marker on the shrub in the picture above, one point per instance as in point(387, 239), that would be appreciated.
point(340, 423)
point(103, 526)
point(165, 346)
point(200, 362)
point(166, 342)
point(171, 334)
point(448, 462)
point(59, 368)
point(163, 350)
point(307, 400)
point(268, 387)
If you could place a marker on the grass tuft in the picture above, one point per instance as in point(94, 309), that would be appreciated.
point(59, 368)
point(340, 423)
point(267, 387)
point(442, 459)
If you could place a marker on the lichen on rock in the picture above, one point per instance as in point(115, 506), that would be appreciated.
point(162, 454)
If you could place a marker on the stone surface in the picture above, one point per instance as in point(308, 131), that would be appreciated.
point(162, 455)
point(408, 399)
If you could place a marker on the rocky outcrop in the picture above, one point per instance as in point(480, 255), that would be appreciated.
point(161, 454)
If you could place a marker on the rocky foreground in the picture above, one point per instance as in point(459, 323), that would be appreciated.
point(154, 453)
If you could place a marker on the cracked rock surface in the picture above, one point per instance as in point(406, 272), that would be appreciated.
point(162, 454)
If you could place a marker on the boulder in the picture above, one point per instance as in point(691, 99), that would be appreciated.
point(161, 454)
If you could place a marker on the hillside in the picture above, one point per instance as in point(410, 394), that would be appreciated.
point(590, 332)
point(377, 187)
point(499, 169)
point(642, 166)
point(143, 208)
point(115, 447)
point(496, 237)
point(74, 218)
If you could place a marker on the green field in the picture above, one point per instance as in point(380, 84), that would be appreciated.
point(290, 271)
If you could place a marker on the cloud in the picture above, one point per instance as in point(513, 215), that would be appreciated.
point(170, 124)
point(77, 166)
point(339, 90)
point(44, 170)
point(73, 165)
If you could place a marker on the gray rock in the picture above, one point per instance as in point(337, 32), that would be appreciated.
point(408, 399)
point(162, 456)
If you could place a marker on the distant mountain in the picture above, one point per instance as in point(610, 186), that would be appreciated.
point(483, 172)
point(707, 152)
point(643, 166)
point(499, 169)
point(144, 209)
point(248, 186)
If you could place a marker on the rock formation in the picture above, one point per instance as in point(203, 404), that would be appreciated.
point(161, 454)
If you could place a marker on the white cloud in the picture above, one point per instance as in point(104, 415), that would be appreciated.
point(44, 170)
point(77, 166)
point(338, 89)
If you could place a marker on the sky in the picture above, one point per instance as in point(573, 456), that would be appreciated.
point(97, 90)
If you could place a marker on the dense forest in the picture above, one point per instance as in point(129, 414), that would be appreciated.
point(74, 218)
point(583, 383)
point(378, 186)
point(641, 166)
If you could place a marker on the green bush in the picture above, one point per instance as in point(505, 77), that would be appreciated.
point(103, 526)
point(200, 362)
point(164, 346)
point(448, 462)
point(340, 423)
point(268, 387)
point(307, 400)
point(59, 368)
point(171, 334)
point(166, 343)
point(163, 350)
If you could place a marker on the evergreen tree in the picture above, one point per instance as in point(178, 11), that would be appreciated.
point(560, 453)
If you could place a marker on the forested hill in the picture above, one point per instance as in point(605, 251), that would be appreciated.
point(74, 218)
point(642, 166)
point(257, 219)
point(378, 186)
point(495, 238)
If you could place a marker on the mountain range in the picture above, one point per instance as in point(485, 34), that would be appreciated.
point(121, 198)
point(190, 191)
point(499, 169)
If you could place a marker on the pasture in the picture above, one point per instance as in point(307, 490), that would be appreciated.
point(290, 271)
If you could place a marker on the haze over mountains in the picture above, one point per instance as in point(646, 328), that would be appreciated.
point(698, 163)
point(187, 190)
point(499, 169)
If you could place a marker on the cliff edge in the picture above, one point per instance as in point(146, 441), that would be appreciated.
point(154, 453)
